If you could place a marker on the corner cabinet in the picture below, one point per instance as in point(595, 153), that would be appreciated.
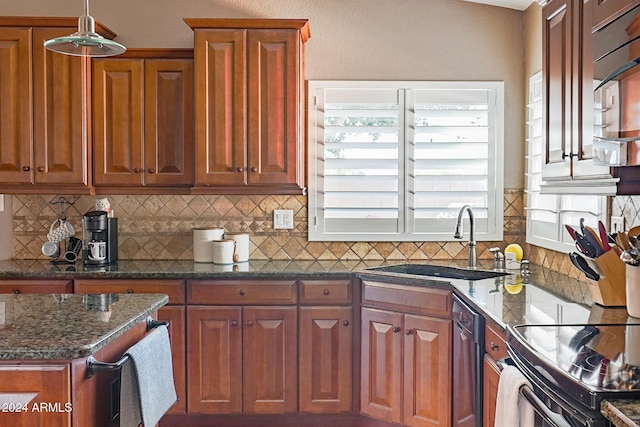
point(249, 81)
point(568, 100)
point(143, 119)
point(406, 354)
point(44, 132)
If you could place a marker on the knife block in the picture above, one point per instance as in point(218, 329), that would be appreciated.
point(610, 290)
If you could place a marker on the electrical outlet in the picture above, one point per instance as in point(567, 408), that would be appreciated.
point(282, 219)
point(617, 224)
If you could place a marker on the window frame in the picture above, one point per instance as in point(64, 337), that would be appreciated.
point(444, 229)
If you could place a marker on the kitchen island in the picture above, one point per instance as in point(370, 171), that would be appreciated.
point(45, 341)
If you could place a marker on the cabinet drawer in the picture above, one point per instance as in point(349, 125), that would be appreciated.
point(242, 292)
point(173, 288)
point(34, 286)
point(326, 291)
point(495, 343)
point(407, 298)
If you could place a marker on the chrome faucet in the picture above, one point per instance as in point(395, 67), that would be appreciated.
point(458, 233)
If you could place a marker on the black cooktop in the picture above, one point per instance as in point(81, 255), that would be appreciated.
point(586, 362)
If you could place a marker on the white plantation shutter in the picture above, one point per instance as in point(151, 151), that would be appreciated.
point(396, 160)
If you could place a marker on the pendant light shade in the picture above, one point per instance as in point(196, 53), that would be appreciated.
point(85, 42)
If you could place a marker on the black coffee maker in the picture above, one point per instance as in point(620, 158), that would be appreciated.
point(100, 238)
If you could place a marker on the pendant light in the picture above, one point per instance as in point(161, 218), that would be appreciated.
point(85, 42)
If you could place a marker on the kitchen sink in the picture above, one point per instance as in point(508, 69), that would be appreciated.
point(440, 271)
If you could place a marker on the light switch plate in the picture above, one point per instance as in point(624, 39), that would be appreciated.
point(1, 202)
point(282, 219)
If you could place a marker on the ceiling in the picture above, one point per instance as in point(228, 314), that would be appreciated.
point(511, 4)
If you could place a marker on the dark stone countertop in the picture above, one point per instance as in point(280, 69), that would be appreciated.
point(68, 326)
point(543, 297)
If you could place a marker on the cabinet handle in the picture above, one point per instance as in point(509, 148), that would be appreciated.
point(242, 292)
point(408, 331)
point(151, 170)
point(345, 323)
point(233, 323)
point(136, 170)
point(326, 292)
point(570, 155)
point(239, 170)
point(129, 291)
point(494, 346)
point(254, 169)
point(249, 323)
point(26, 169)
point(40, 169)
point(15, 291)
point(396, 329)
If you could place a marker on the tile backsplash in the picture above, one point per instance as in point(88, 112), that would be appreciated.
point(155, 227)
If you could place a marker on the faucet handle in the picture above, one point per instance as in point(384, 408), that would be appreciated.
point(498, 258)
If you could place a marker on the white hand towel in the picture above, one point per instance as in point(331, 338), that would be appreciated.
point(513, 410)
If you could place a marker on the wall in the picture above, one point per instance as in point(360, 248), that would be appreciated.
point(350, 39)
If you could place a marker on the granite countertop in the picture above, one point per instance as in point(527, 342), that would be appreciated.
point(67, 326)
point(542, 297)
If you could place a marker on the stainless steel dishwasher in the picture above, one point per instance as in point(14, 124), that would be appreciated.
point(468, 346)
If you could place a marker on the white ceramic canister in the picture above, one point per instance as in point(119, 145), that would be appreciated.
point(202, 238)
point(222, 251)
point(242, 244)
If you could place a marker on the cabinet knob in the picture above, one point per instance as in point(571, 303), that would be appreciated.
point(40, 169)
point(396, 329)
point(494, 346)
point(242, 292)
point(233, 323)
point(129, 291)
point(254, 169)
point(15, 291)
point(345, 323)
point(26, 169)
point(151, 170)
point(326, 292)
point(136, 170)
point(570, 155)
point(249, 323)
point(408, 331)
point(239, 170)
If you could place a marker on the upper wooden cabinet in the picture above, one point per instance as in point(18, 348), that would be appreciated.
point(143, 119)
point(568, 93)
point(604, 11)
point(249, 105)
point(43, 137)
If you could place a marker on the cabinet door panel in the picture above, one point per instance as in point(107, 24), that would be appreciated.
point(556, 65)
point(15, 104)
point(169, 122)
point(220, 107)
point(214, 360)
point(118, 111)
point(491, 374)
point(59, 117)
point(325, 359)
point(273, 108)
point(270, 366)
point(427, 371)
point(381, 375)
point(176, 318)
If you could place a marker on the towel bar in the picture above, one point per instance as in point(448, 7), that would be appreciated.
point(94, 365)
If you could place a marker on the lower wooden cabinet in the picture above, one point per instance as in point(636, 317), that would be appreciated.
point(25, 387)
point(242, 360)
point(496, 349)
point(325, 355)
point(406, 368)
point(35, 286)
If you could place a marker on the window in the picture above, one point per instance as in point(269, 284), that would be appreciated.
point(547, 213)
point(395, 161)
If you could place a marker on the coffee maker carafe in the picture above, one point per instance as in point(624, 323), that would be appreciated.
point(100, 238)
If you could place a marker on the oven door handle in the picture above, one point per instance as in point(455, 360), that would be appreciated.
point(550, 417)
